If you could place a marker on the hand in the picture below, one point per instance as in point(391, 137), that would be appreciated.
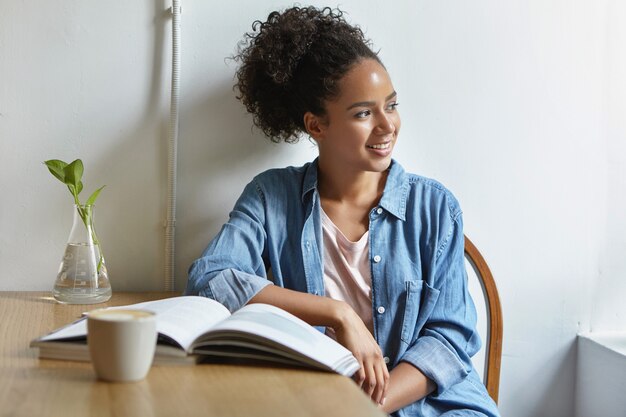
point(373, 376)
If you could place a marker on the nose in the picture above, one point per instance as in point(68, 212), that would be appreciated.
point(385, 124)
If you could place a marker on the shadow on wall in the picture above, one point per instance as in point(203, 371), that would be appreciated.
point(219, 155)
point(130, 213)
point(557, 400)
point(219, 152)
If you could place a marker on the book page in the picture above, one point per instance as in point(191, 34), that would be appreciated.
point(73, 330)
point(179, 318)
point(184, 318)
point(276, 325)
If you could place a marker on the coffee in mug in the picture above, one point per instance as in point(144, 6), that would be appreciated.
point(121, 343)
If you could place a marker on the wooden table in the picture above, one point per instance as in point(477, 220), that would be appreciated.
point(33, 387)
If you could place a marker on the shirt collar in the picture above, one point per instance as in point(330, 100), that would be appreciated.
point(396, 191)
point(310, 179)
point(394, 196)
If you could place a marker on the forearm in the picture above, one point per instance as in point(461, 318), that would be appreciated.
point(407, 384)
point(350, 331)
point(313, 309)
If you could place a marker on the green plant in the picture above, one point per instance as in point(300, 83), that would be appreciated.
point(71, 175)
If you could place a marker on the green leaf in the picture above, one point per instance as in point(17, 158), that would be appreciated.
point(92, 198)
point(73, 173)
point(56, 168)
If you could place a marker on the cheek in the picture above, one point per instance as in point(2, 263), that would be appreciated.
point(397, 122)
point(357, 131)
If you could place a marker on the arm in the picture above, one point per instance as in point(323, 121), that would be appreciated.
point(351, 332)
point(232, 271)
point(315, 310)
point(407, 384)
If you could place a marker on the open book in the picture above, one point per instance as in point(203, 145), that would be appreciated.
point(193, 328)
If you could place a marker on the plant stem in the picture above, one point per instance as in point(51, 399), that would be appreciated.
point(86, 214)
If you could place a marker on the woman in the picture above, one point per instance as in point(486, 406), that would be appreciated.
point(350, 241)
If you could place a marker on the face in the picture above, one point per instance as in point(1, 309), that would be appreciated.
point(361, 125)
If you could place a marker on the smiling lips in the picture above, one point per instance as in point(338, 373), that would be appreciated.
point(385, 145)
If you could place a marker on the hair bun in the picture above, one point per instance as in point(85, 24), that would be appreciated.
point(290, 64)
point(285, 38)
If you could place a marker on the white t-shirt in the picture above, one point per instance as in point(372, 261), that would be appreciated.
point(347, 273)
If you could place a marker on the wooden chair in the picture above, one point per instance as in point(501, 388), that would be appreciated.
point(492, 340)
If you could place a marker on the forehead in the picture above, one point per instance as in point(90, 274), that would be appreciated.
point(367, 80)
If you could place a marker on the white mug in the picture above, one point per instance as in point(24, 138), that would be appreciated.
point(121, 343)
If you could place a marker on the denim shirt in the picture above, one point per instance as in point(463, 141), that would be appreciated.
point(422, 311)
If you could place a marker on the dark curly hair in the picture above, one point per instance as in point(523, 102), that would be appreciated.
point(291, 64)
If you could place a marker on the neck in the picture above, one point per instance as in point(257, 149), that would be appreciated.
point(355, 187)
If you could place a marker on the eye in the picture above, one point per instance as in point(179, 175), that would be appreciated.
point(392, 106)
point(363, 114)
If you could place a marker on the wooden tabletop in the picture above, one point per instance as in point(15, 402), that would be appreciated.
point(33, 387)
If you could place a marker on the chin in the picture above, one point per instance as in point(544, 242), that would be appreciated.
point(381, 165)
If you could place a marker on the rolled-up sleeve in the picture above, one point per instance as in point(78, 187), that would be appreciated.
point(231, 269)
point(448, 339)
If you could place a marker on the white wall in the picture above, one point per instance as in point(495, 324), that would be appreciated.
point(609, 308)
point(601, 357)
point(516, 106)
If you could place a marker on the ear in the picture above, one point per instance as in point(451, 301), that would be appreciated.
point(315, 126)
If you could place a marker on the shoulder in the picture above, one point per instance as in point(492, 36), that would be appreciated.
point(277, 179)
point(279, 183)
point(434, 190)
point(425, 194)
point(289, 174)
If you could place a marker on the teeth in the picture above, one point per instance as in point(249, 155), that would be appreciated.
point(380, 146)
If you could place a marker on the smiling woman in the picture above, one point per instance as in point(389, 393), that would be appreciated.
point(371, 254)
point(361, 125)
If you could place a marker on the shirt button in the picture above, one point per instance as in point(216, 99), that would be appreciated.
point(377, 258)
point(379, 210)
point(381, 310)
point(386, 359)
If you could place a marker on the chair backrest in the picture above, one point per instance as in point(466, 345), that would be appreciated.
point(483, 290)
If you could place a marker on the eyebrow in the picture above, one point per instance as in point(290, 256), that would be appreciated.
point(370, 103)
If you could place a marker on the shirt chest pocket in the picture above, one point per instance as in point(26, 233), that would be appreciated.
point(421, 299)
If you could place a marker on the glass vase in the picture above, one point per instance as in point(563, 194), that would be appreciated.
point(82, 277)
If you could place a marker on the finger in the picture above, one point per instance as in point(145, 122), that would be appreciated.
point(381, 384)
point(386, 383)
point(369, 385)
point(359, 377)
